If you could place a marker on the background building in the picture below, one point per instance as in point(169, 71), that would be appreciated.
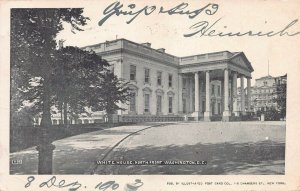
point(264, 93)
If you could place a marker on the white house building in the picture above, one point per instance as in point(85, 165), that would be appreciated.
point(166, 87)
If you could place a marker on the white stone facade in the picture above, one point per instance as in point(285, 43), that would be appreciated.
point(166, 85)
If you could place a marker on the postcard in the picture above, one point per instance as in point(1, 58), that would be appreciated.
point(149, 95)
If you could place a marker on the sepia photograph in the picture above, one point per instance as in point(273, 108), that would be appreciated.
point(152, 88)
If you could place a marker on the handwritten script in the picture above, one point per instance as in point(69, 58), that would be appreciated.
point(200, 28)
point(57, 183)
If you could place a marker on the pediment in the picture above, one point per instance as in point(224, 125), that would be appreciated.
point(132, 87)
point(159, 91)
point(146, 89)
point(241, 61)
point(170, 93)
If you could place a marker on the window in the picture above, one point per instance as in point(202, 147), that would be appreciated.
point(147, 103)
point(54, 122)
point(158, 104)
point(183, 83)
point(170, 104)
point(132, 102)
point(170, 80)
point(132, 72)
point(219, 90)
point(213, 90)
point(159, 78)
point(184, 105)
point(147, 75)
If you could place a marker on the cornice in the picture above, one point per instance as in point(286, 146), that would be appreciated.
point(202, 66)
point(143, 56)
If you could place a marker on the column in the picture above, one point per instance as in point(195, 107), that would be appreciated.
point(180, 105)
point(226, 112)
point(201, 106)
point(191, 107)
point(196, 113)
point(248, 94)
point(230, 95)
point(207, 113)
point(242, 96)
point(234, 94)
point(222, 97)
point(196, 92)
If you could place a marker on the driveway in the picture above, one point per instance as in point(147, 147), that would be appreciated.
point(228, 148)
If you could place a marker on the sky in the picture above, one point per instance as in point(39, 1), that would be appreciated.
point(167, 31)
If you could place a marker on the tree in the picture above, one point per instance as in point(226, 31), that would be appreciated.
point(280, 98)
point(33, 52)
point(271, 114)
point(77, 73)
point(107, 94)
point(24, 117)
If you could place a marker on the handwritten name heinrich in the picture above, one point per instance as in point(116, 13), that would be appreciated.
point(200, 28)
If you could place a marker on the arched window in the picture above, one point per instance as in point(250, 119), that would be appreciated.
point(132, 102)
point(159, 99)
point(133, 98)
point(147, 94)
point(170, 101)
point(170, 104)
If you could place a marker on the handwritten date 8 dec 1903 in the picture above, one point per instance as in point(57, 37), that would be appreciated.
point(54, 182)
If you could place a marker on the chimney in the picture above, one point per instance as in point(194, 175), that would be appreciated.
point(161, 50)
point(146, 44)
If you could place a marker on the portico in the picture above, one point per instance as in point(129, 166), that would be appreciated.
point(214, 86)
point(164, 86)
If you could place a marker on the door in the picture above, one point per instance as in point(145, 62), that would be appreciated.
point(184, 105)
